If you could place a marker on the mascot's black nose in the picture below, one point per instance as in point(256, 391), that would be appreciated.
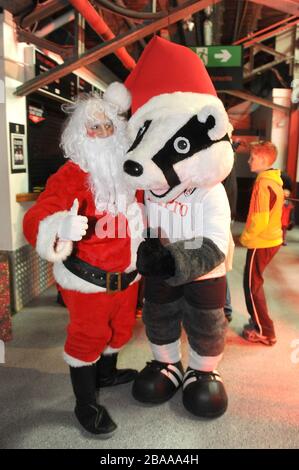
point(133, 168)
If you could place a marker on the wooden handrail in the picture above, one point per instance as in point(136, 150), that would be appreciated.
point(27, 197)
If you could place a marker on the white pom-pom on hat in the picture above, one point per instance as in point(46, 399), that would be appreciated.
point(118, 95)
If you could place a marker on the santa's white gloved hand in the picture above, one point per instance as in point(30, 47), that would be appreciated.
point(73, 227)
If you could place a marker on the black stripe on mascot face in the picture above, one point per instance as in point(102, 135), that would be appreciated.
point(140, 134)
point(187, 141)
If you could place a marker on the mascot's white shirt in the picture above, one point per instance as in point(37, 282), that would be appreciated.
point(195, 213)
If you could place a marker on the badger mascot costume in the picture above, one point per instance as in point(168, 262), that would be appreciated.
point(181, 152)
point(82, 223)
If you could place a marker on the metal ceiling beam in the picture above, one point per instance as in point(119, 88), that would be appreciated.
point(261, 47)
point(41, 11)
point(55, 24)
point(26, 36)
point(251, 36)
point(253, 50)
point(271, 34)
point(263, 68)
point(256, 99)
point(79, 34)
point(288, 6)
point(97, 23)
point(253, 42)
point(111, 46)
point(129, 22)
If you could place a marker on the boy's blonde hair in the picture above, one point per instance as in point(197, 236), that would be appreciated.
point(264, 149)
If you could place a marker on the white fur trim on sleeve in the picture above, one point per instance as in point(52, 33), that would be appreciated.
point(47, 238)
point(74, 362)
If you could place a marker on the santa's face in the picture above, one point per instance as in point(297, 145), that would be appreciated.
point(96, 139)
point(180, 140)
point(99, 126)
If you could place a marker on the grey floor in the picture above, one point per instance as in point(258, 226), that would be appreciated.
point(36, 400)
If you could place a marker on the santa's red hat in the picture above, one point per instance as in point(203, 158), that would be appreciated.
point(166, 67)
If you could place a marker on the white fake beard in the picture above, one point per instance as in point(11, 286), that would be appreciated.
point(105, 158)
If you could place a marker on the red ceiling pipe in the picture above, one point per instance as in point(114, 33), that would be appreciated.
point(257, 33)
point(100, 27)
point(293, 143)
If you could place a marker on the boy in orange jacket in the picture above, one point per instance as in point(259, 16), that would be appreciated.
point(263, 237)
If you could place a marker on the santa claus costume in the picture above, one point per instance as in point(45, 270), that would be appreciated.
point(82, 223)
point(180, 154)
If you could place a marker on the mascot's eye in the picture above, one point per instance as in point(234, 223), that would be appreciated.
point(181, 145)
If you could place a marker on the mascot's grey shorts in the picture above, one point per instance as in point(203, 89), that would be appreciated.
point(197, 305)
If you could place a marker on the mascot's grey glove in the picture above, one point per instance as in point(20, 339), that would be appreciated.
point(154, 260)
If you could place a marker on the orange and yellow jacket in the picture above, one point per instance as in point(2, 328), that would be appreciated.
point(263, 225)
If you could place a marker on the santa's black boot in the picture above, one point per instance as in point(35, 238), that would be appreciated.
point(204, 394)
point(108, 375)
point(157, 382)
point(93, 417)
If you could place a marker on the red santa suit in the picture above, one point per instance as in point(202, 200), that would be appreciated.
point(89, 224)
point(99, 316)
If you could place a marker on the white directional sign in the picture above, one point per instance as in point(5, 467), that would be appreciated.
point(223, 56)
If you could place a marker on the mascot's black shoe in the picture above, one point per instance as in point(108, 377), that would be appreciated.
point(204, 394)
point(95, 419)
point(108, 375)
point(157, 382)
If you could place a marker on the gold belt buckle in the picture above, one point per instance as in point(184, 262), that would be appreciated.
point(112, 291)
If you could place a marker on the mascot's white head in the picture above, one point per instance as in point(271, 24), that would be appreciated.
point(179, 128)
point(95, 138)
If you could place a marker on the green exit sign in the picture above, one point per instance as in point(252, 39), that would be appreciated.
point(220, 56)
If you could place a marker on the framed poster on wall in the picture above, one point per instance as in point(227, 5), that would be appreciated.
point(18, 148)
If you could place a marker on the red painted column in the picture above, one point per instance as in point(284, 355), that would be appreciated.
point(293, 143)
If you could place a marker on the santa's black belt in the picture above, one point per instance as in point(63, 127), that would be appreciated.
point(113, 282)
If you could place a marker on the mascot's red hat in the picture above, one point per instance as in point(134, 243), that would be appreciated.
point(170, 86)
point(166, 67)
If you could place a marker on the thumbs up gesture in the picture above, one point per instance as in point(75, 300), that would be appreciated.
point(73, 227)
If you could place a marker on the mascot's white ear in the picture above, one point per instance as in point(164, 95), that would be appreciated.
point(118, 95)
point(221, 120)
